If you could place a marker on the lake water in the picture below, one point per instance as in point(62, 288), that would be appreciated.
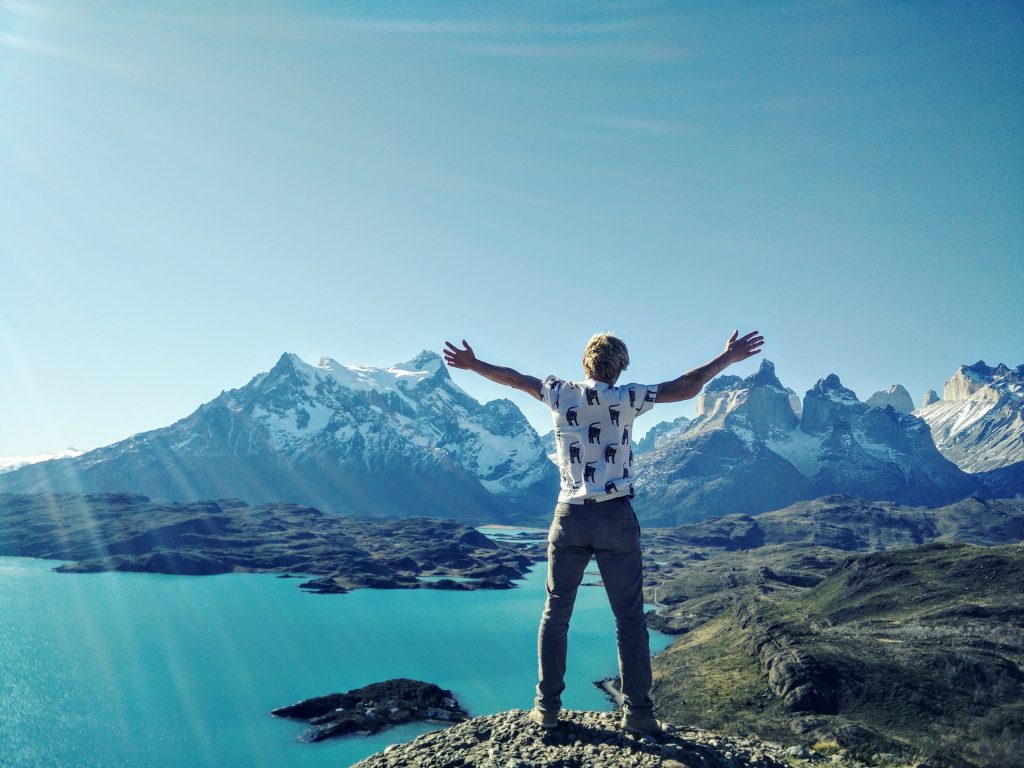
point(132, 669)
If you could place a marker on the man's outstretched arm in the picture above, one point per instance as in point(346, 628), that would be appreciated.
point(464, 358)
point(692, 382)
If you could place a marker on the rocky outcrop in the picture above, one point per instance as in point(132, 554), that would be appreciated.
point(714, 391)
point(802, 682)
point(374, 708)
point(581, 740)
point(980, 381)
point(895, 395)
point(931, 396)
point(827, 402)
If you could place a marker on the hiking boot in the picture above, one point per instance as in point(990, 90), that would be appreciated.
point(543, 719)
point(646, 726)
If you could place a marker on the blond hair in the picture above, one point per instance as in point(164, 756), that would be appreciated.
point(605, 357)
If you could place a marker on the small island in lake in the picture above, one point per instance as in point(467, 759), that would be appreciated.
point(373, 708)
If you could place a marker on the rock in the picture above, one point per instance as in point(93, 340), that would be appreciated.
point(802, 682)
point(581, 740)
point(931, 396)
point(374, 708)
point(895, 395)
point(826, 402)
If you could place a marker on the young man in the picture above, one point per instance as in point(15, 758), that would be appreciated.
point(594, 516)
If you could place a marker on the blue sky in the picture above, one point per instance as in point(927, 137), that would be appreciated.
point(190, 189)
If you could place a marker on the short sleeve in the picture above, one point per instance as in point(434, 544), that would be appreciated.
point(641, 397)
point(549, 391)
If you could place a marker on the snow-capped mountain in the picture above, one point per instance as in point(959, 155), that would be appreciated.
point(11, 463)
point(750, 451)
point(403, 440)
point(979, 424)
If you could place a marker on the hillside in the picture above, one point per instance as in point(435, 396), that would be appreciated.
point(917, 652)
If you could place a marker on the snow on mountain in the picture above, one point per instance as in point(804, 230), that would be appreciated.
point(402, 440)
point(750, 451)
point(11, 463)
point(979, 424)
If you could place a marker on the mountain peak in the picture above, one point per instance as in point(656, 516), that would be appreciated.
point(764, 376)
point(832, 388)
point(426, 360)
point(984, 381)
point(895, 395)
point(827, 400)
point(287, 366)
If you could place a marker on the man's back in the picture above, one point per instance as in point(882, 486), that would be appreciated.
point(593, 433)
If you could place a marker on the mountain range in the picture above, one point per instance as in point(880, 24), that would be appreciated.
point(979, 424)
point(397, 441)
point(405, 440)
point(749, 450)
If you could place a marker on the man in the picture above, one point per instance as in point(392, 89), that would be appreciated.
point(594, 516)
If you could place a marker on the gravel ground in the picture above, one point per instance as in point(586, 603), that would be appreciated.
point(581, 740)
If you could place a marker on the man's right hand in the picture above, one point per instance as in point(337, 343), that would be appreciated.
point(740, 349)
point(459, 358)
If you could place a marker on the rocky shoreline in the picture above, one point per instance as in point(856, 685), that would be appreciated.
point(334, 553)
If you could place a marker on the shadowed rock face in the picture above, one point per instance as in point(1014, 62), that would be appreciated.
point(826, 403)
point(712, 473)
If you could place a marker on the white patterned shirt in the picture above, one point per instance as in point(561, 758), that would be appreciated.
point(593, 435)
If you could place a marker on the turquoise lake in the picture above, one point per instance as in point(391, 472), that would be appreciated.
point(132, 669)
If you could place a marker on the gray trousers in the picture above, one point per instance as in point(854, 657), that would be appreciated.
point(609, 531)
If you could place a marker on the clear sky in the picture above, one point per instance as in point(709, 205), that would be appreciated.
point(189, 189)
